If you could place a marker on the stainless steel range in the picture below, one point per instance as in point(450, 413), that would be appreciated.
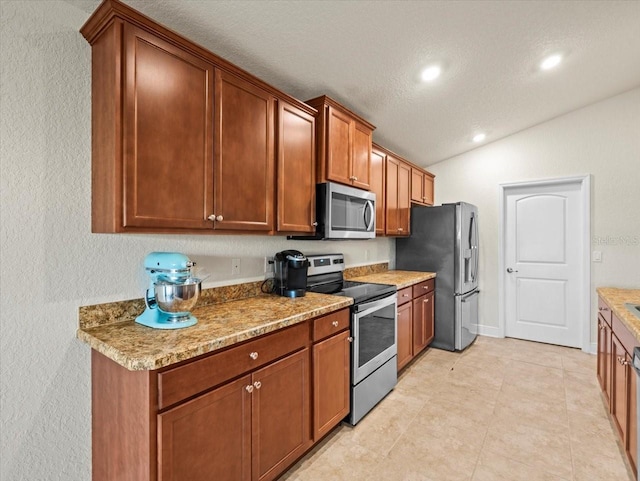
point(373, 329)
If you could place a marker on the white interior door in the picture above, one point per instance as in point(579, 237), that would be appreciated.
point(543, 260)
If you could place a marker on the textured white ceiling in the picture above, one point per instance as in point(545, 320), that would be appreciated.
point(368, 55)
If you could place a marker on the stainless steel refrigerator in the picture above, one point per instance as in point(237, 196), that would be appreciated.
point(444, 240)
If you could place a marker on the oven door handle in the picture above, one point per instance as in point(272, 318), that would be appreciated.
point(368, 307)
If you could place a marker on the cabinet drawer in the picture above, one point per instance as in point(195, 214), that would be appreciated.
point(604, 310)
point(423, 287)
point(405, 295)
point(330, 324)
point(189, 379)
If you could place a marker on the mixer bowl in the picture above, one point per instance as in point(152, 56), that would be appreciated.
point(177, 297)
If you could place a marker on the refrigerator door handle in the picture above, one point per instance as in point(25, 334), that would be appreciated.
point(469, 296)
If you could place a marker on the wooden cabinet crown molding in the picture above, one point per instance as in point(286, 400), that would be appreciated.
point(323, 100)
point(109, 10)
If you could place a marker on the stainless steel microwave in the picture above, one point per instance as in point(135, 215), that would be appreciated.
point(345, 212)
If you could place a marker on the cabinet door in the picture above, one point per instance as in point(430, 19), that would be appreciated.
point(296, 170)
point(417, 185)
point(423, 326)
point(339, 148)
point(404, 198)
point(428, 189)
point(632, 415)
point(619, 386)
point(331, 362)
point(429, 310)
point(392, 217)
point(167, 134)
point(378, 188)
point(405, 334)
point(209, 437)
point(604, 343)
point(243, 155)
point(361, 157)
point(281, 419)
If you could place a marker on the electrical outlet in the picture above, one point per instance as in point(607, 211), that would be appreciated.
point(268, 265)
point(235, 267)
point(596, 256)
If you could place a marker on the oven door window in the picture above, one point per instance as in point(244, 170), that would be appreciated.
point(375, 339)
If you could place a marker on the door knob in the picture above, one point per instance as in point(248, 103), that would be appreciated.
point(510, 270)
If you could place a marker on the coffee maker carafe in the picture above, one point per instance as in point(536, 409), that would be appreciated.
point(290, 273)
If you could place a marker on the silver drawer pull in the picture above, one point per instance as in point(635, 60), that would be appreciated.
point(249, 388)
point(335, 323)
point(253, 355)
point(350, 339)
point(603, 308)
point(257, 384)
point(405, 295)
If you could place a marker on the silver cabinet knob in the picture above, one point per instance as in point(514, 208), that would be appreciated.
point(510, 270)
point(335, 323)
point(212, 217)
point(257, 384)
point(405, 295)
point(400, 229)
point(314, 224)
point(253, 355)
point(350, 339)
point(603, 308)
point(219, 218)
point(249, 388)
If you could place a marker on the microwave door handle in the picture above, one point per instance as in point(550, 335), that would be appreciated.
point(368, 205)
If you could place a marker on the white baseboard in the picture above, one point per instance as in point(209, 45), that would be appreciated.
point(593, 348)
point(489, 331)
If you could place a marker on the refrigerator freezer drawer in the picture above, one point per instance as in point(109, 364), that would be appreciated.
point(466, 319)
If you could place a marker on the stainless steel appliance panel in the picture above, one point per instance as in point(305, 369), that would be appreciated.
point(367, 394)
point(467, 315)
point(444, 240)
point(374, 329)
point(466, 259)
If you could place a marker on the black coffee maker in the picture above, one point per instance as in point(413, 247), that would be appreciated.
point(290, 273)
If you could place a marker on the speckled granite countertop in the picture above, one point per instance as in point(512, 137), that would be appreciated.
point(400, 278)
point(139, 348)
point(616, 299)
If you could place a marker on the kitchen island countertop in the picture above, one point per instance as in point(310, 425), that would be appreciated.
point(400, 279)
point(616, 299)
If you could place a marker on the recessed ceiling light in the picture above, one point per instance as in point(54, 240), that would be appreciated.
point(430, 73)
point(479, 138)
point(551, 62)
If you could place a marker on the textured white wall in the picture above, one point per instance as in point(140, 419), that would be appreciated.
point(50, 262)
point(602, 140)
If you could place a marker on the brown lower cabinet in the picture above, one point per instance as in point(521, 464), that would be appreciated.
point(617, 378)
point(331, 361)
point(246, 413)
point(415, 320)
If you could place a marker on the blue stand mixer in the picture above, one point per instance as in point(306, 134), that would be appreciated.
point(172, 292)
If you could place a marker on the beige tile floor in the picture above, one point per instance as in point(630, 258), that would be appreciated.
point(504, 409)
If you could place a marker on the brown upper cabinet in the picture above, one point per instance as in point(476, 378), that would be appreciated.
point(343, 144)
point(184, 141)
point(378, 187)
point(296, 170)
point(421, 186)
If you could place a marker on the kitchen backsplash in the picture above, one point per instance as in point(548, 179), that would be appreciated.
point(125, 311)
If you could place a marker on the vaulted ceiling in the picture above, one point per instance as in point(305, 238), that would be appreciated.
point(369, 55)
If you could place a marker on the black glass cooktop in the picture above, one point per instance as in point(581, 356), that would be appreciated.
point(359, 291)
